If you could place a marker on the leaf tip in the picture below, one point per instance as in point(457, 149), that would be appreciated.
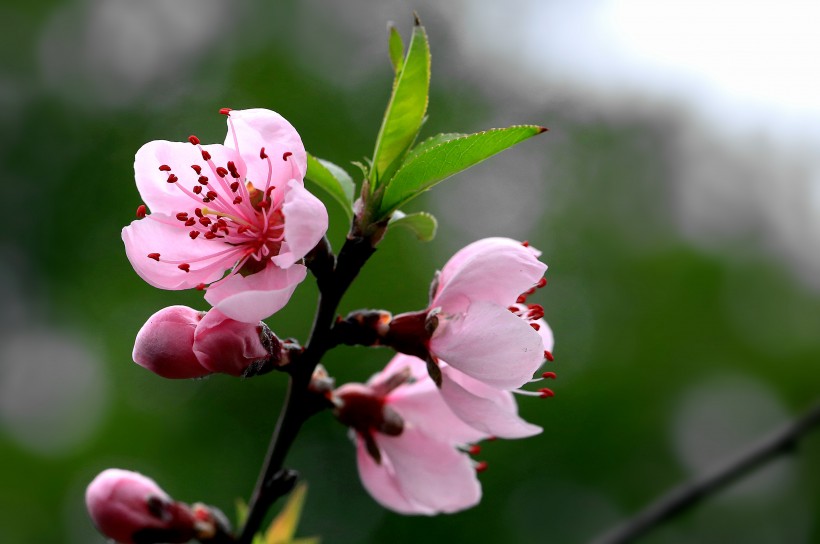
point(542, 130)
point(416, 20)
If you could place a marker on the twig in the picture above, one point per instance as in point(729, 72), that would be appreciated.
point(273, 481)
point(689, 494)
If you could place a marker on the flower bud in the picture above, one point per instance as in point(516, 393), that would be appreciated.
point(164, 345)
point(224, 345)
point(132, 509)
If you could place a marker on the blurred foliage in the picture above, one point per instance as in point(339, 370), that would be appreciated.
point(641, 316)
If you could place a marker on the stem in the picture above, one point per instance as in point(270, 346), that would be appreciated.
point(689, 494)
point(273, 481)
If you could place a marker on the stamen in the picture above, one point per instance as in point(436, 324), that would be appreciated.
point(197, 189)
point(172, 178)
point(193, 139)
point(193, 234)
point(154, 256)
point(541, 283)
point(521, 299)
point(197, 168)
point(475, 449)
point(225, 111)
point(535, 326)
point(212, 195)
point(549, 375)
point(200, 287)
point(285, 155)
point(481, 466)
point(525, 243)
point(546, 392)
point(185, 267)
point(141, 210)
point(164, 168)
point(221, 171)
point(182, 216)
point(203, 180)
point(205, 155)
point(548, 356)
point(190, 222)
point(262, 154)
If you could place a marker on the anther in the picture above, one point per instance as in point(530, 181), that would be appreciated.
point(182, 216)
point(235, 186)
point(164, 168)
point(225, 111)
point(541, 283)
point(221, 172)
point(197, 189)
point(203, 180)
point(212, 195)
point(481, 466)
point(190, 222)
point(141, 210)
point(285, 155)
point(198, 212)
point(172, 178)
point(154, 256)
point(205, 155)
point(535, 326)
point(546, 392)
point(475, 449)
point(237, 200)
point(210, 235)
point(513, 309)
point(185, 267)
point(525, 243)
point(205, 221)
point(521, 299)
point(549, 356)
point(193, 234)
point(193, 139)
point(262, 154)
point(242, 228)
point(196, 168)
point(200, 287)
point(549, 375)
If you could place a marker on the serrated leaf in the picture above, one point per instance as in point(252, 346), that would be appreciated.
point(395, 47)
point(406, 109)
point(422, 224)
point(432, 141)
point(334, 180)
point(438, 162)
point(283, 527)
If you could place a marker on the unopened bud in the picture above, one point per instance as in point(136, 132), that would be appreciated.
point(132, 509)
point(233, 347)
point(164, 345)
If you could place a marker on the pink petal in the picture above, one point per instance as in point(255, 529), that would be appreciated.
point(380, 481)
point(418, 368)
point(157, 233)
point(258, 128)
point(258, 296)
point(545, 331)
point(494, 269)
point(490, 410)
point(430, 472)
point(163, 197)
point(305, 224)
point(222, 344)
point(420, 404)
point(490, 344)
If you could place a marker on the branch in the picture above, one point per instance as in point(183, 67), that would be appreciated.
point(299, 404)
point(689, 494)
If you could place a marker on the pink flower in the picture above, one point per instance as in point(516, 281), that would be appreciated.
point(180, 342)
point(409, 445)
point(130, 508)
point(239, 208)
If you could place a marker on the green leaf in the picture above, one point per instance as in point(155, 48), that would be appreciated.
point(438, 162)
point(406, 109)
point(332, 179)
point(395, 48)
point(422, 224)
point(432, 141)
point(283, 527)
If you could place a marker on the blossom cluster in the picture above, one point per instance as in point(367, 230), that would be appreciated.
point(236, 221)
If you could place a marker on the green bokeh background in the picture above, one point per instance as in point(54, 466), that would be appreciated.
point(663, 347)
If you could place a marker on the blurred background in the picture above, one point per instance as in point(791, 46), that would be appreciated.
point(676, 199)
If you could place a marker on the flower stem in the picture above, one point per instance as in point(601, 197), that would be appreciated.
point(299, 404)
point(689, 494)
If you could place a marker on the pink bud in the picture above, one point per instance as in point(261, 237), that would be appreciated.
point(130, 508)
point(232, 347)
point(165, 343)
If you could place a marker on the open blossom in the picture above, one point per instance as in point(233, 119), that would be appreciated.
point(239, 208)
point(131, 508)
point(180, 342)
point(410, 448)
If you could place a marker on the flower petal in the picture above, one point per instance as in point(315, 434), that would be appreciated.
point(490, 344)
point(222, 344)
point(380, 481)
point(170, 198)
point(253, 298)
point(257, 128)
point(430, 472)
point(492, 269)
point(490, 410)
point(157, 233)
point(305, 224)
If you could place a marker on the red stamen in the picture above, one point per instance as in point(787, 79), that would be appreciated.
point(475, 449)
point(242, 228)
point(521, 299)
point(546, 392)
point(205, 221)
point(141, 210)
point(154, 256)
point(541, 283)
point(235, 186)
point(513, 309)
point(262, 154)
point(549, 375)
point(212, 195)
point(193, 139)
point(172, 178)
point(185, 267)
point(548, 356)
point(525, 243)
point(193, 234)
point(529, 291)
point(198, 212)
point(535, 326)
point(481, 466)
point(210, 235)
point(225, 111)
point(164, 168)
point(182, 216)
point(197, 168)
point(285, 155)
point(203, 180)
point(221, 172)
point(200, 287)
point(190, 222)
point(197, 189)
point(205, 155)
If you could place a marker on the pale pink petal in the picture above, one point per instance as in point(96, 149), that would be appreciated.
point(157, 233)
point(251, 130)
point(421, 405)
point(418, 368)
point(494, 269)
point(490, 410)
point(380, 481)
point(222, 344)
point(305, 224)
point(490, 344)
point(258, 296)
point(431, 472)
point(171, 198)
point(545, 331)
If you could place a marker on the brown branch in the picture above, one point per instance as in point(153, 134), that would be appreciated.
point(689, 494)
